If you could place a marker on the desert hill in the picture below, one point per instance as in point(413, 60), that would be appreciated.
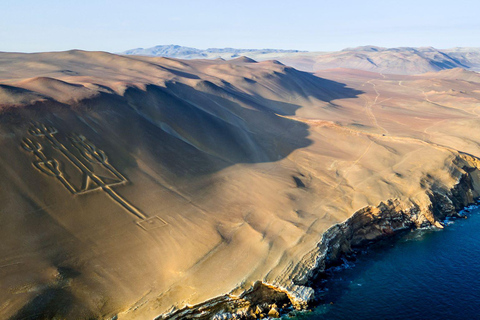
point(136, 186)
point(387, 60)
point(403, 60)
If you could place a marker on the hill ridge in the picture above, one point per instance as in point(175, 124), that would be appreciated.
point(399, 60)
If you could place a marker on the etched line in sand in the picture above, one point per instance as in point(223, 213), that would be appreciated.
point(92, 154)
point(152, 223)
point(89, 153)
point(47, 166)
point(368, 106)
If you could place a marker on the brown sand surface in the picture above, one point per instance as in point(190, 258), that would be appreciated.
point(131, 185)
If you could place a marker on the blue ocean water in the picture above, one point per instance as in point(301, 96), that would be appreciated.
point(425, 274)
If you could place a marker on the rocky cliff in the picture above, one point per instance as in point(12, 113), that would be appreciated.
point(365, 226)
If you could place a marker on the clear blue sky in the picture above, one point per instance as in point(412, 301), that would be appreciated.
point(52, 25)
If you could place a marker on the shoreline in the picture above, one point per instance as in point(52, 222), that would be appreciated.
point(365, 227)
point(352, 269)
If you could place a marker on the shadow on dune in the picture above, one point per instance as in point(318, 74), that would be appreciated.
point(199, 129)
point(54, 301)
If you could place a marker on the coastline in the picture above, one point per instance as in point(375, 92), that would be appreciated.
point(366, 226)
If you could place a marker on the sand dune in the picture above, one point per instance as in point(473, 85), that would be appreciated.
point(14, 96)
point(134, 185)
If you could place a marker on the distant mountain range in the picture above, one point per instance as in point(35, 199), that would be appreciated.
point(403, 60)
point(175, 51)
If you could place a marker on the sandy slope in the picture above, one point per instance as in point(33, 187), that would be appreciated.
point(131, 184)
